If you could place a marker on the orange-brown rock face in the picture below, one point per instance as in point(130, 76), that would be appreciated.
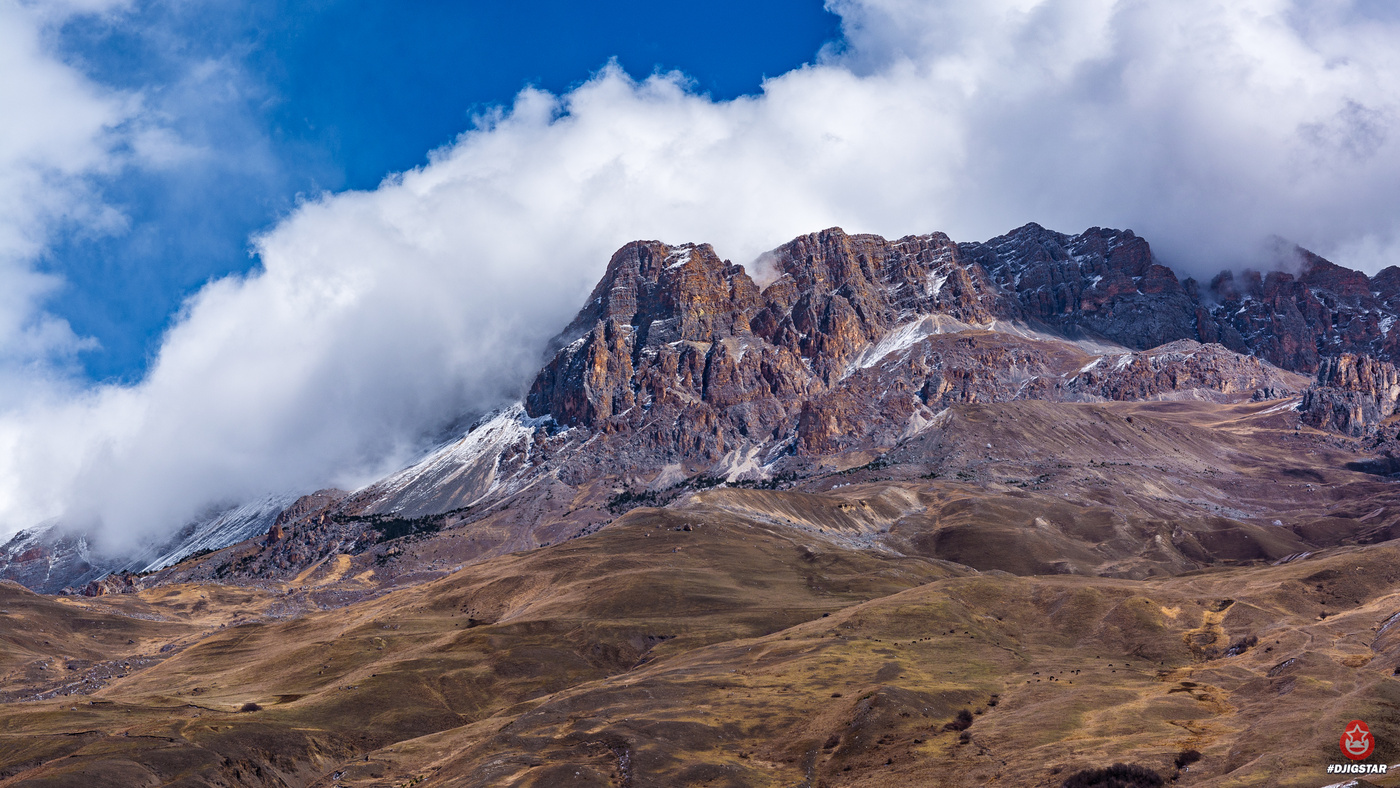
point(679, 357)
point(649, 335)
point(681, 351)
point(837, 293)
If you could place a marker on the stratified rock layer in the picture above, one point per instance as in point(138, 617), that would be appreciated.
point(679, 356)
point(1354, 395)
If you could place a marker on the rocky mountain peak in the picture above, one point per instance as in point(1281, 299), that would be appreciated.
point(682, 358)
point(658, 309)
point(678, 292)
point(1342, 282)
point(837, 293)
point(1100, 283)
point(677, 325)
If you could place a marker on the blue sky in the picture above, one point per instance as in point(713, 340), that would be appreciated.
point(289, 98)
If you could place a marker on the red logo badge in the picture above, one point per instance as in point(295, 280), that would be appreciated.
point(1357, 741)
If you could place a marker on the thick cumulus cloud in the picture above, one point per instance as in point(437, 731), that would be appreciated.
point(378, 317)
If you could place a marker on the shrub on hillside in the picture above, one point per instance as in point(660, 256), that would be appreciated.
point(1119, 775)
point(960, 723)
point(1186, 758)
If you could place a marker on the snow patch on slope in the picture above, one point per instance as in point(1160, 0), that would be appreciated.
point(907, 336)
point(456, 461)
point(66, 559)
point(934, 285)
point(742, 464)
point(230, 526)
point(678, 257)
point(1289, 404)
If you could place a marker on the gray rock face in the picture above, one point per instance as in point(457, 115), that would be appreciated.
point(1100, 283)
point(47, 560)
point(1106, 283)
point(1354, 395)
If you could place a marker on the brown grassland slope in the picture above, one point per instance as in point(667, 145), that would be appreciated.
point(1093, 583)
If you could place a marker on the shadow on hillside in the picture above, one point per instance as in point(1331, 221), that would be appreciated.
point(1380, 466)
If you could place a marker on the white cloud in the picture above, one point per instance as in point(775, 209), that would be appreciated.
point(55, 131)
point(378, 316)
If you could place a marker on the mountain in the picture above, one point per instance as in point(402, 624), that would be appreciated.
point(49, 559)
point(680, 367)
point(879, 513)
point(1107, 282)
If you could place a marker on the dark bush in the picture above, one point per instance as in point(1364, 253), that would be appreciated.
point(1119, 775)
point(1241, 645)
point(1186, 758)
point(627, 500)
point(960, 723)
point(767, 484)
point(250, 706)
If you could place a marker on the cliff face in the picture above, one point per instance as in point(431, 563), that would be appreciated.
point(678, 327)
point(1102, 282)
point(1353, 395)
point(1106, 282)
point(680, 357)
point(1297, 321)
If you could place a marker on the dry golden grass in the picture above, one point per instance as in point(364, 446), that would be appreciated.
point(816, 637)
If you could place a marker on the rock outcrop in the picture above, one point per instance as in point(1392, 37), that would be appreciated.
point(1354, 395)
point(1185, 369)
point(115, 583)
point(1107, 283)
point(680, 357)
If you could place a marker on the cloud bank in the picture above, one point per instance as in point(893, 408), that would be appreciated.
point(377, 317)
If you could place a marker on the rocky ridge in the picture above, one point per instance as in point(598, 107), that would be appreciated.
point(681, 366)
point(885, 520)
point(679, 356)
point(50, 559)
point(1106, 282)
